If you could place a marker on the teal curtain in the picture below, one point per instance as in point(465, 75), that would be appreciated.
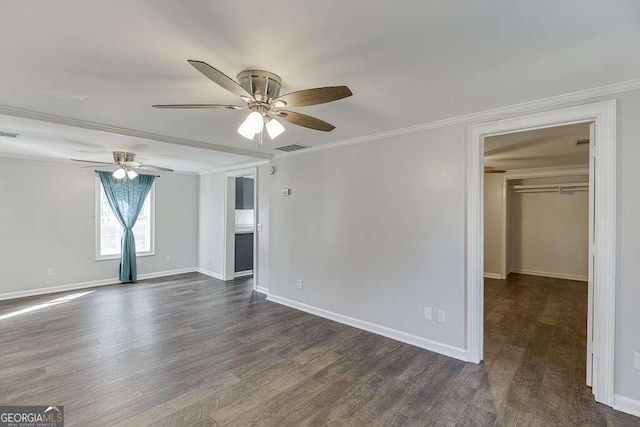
point(126, 198)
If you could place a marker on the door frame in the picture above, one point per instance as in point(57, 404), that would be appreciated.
point(228, 259)
point(604, 115)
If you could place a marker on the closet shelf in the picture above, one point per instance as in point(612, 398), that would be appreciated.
point(551, 188)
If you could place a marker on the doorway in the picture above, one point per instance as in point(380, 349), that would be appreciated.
point(241, 206)
point(537, 287)
point(602, 182)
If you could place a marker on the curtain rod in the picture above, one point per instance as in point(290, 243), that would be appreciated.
point(157, 176)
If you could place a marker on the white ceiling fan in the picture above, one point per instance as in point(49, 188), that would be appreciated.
point(125, 164)
point(260, 91)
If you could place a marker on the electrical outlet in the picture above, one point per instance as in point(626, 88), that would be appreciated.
point(50, 272)
point(168, 258)
point(300, 284)
point(428, 313)
point(441, 316)
point(636, 360)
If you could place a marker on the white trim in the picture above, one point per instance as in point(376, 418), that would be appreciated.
point(228, 230)
point(244, 172)
point(482, 116)
point(84, 124)
point(255, 229)
point(604, 115)
point(236, 167)
point(626, 404)
point(262, 290)
point(549, 274)
point(58, 160)
point(492, 276)
point(91, 284)
point(243, 274)
point(209, 273)
point(447, 350)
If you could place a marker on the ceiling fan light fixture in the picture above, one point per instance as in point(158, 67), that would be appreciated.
point(253, 124)
point(119, 173)
point(274, 127)
point(131, 174)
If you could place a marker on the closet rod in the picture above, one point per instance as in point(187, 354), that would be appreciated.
point(552, 190)
point(541, 186)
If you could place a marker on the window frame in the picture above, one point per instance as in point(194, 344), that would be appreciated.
point(98, 228)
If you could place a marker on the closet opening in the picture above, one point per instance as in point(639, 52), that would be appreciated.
point(538, 259)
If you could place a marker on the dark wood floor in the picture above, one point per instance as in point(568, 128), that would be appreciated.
point(191, 350)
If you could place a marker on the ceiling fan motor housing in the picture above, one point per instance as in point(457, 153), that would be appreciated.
point(120, 157)
point(263, 85)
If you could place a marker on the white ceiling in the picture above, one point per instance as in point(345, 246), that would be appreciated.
point(406, 62)
point(539, 148)
point(42, 140)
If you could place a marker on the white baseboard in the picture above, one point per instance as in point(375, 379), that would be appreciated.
point(447, 350)
point(626, 404)
point(210, 273)
point(492, 276)
point(243, 273)
point(164, 273)
point(549, 274)
point(91, 284)
point(262, 290)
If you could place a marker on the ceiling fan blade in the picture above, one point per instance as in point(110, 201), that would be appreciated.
point(96, 166)
point(305, 121)
point(90, 161)
point(154, 168)
point(220, 78)
point(315, 96)
point(189, 106)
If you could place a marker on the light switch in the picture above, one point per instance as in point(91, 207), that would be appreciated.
point(441, 316)
point(285, 191)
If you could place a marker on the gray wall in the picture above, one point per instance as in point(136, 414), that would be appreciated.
point(549, 232)
point(628, 279)
point(211, 223)
point(47, 220)
point(377, 231)
point(493, 222)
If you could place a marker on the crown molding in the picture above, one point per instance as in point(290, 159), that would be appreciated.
point(83, 124)
point(486, 115)
point(68, 162)
point(236, 167)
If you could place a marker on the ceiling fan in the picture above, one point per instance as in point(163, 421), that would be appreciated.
point(125, 163)
point(260, 91)
point(489, 169)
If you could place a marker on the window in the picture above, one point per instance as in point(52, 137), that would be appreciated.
point(109, 231)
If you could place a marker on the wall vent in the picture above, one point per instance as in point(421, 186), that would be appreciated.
point(292, 147)
point(582, 141)
point(8, 134)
